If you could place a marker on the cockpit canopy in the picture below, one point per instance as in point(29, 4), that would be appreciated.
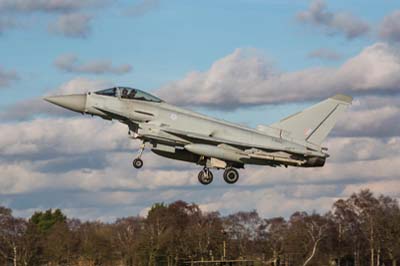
point(129, 93)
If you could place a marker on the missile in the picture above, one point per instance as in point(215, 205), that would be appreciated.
point(216, 152)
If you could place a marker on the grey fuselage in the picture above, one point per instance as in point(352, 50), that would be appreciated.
point(168, 127)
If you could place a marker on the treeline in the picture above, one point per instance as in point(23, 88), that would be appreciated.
point(360, 230)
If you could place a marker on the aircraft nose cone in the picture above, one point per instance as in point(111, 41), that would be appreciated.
point(75, 102)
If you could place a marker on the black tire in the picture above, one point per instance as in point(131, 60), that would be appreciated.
point(137, 163)
point(204, 179)
point(231, 175)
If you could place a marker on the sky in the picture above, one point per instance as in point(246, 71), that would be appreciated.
point(246, 61)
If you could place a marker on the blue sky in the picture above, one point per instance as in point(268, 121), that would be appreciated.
point(173, 38)
point(307, 50)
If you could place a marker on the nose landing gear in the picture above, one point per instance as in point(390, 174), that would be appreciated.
point(138, 162)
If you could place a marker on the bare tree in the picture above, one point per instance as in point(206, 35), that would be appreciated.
point(12, 231)
point(316, 231)
point(276, 231)
point(360, 230)
point(388, 229)
point(126, 238)
point(243, 228)
point(304, 235)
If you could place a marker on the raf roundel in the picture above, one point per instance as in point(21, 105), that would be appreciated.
point(173, 116)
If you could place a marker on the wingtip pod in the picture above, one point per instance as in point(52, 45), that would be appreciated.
point(343, 98)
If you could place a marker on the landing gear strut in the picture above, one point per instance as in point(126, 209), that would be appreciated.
point(137, 162)
point(231, 175)
point(205, 176)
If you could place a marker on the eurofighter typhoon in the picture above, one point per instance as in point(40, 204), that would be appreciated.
point(181, 134)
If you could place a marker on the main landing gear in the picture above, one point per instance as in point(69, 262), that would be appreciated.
point(205, 176)
point(231, 176)
point(138, 162)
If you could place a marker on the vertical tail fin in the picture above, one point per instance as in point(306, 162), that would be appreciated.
point(314, 123)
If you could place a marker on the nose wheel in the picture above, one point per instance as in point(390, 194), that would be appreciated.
point(205, 176)
point(231, 175)
point(138, 162)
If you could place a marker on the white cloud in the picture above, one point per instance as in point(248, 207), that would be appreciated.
point(73, 20)
point(62, 136)
point(7, 76)
point(381, 122)
point(144, 212)
point(142, 7)
point(112, 188)
point(46, 5)
point(245, 78)
point(268, 202)
point(375, 115)
point(385, 187)
point(324, 54)
point(70, 63)
point(340, 22)
point(350, 149)
point(7, 23)
point(31, 150)
point(90, 159)
point(331, 173)
point(74, 25)
point(81, 85)
point(30, 108)
point(390, 27)
point(18, 178)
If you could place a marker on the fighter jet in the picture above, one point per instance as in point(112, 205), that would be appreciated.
point(177, 133)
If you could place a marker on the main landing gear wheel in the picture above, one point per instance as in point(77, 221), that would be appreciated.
point(231, 175)
point(137, 163)
point(205, 176)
